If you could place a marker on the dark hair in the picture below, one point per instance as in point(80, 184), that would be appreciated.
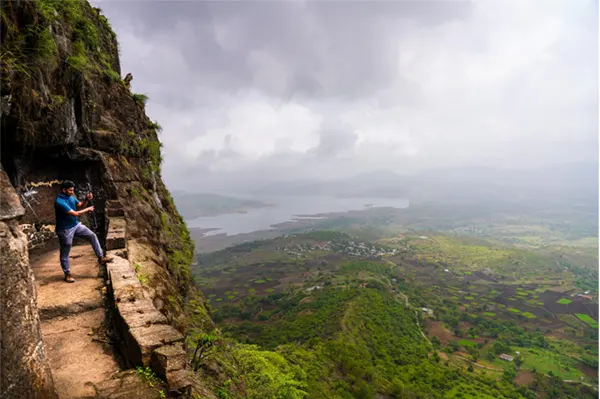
point(67, 184)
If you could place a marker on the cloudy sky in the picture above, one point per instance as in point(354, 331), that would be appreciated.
point(250, 91)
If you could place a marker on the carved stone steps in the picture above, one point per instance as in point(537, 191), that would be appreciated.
point(115, 238)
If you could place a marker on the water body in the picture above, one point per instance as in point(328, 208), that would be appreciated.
point(285, 209)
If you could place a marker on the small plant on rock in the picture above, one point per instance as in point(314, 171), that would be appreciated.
point(140, 99)
point(112, 76)
point(148, 376)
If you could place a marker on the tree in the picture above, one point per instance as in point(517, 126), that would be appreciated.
point(518, 361)
point(435, 342)
point(470, 368)
point(268, 374)
point(500, 347)
point(473, 352)
point(203, 345)
point(452, 346)
point(509, 374)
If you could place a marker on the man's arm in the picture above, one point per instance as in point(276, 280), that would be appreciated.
point(81, 212)
point(66, 209)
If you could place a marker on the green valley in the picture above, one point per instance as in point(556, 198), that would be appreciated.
point(412, 314)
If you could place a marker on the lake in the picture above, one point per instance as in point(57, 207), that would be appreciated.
point(285, 209)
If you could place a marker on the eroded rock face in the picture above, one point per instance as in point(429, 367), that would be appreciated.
point(67, 114)
point(73, 117)
point(24, 368)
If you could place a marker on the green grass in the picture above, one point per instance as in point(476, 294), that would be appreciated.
point(466, 342)
point(139, 99)
point(544, 361)
point(564, 301)
point(259, 281)
point(78, 62)
point(587, 319)
point(112, 76)
point(528, 315)
point(269, 290)
point(571, 320)
point(513, 310)
point(489, 314)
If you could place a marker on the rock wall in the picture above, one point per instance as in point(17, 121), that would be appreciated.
point(24, 369)
point(67, 114)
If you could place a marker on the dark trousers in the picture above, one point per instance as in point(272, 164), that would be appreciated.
point(65, 237)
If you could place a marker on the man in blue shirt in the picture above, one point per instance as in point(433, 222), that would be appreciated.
point(68, 226)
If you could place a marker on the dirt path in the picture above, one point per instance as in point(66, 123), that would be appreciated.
point(477, 364)
point(73, 317)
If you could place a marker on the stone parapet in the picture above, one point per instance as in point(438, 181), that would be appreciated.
point(147, 339)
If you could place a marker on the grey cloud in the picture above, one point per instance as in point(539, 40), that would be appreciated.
point(336, 138)
point(402, 85)
point(324, 48)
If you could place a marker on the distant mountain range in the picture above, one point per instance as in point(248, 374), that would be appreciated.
point(194, 205)
point(573, 181)
point(374, 184)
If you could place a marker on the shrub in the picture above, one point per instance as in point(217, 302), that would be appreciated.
point(112, 76)
point(155, 126)
point(78, 62)
point(140, 99)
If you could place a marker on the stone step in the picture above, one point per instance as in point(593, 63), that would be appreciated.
point(140, 313)
point(179, 383)
point(127, 385)
point(124, 283)
point(114, 212)
point(168, 358)
point(58, 298)
point(77, 353)
point(115, 238)
point(121, 253)
point(51, 312)
point(142, 341)
point(114, 203)
point(169, 362)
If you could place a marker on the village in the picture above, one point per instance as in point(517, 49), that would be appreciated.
point(352, 248)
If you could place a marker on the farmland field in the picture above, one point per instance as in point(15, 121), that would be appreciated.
point(475, 298)
point(587, 319)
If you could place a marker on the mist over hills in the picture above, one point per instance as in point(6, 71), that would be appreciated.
point(577, 181)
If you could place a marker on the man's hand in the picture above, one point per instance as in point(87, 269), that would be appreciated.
point(85, 210)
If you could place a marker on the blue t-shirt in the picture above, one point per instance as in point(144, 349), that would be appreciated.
point(64, 203)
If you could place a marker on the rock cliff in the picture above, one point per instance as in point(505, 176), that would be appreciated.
point(67, 114)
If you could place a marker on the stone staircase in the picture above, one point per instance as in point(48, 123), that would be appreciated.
point(147, 339)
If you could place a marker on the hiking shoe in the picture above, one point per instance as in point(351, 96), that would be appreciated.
point(105, 259)
point(69, 278)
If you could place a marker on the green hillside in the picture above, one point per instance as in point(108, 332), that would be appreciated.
point(405, 317)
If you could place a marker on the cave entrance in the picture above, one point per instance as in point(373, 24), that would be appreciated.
point(37, 177)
